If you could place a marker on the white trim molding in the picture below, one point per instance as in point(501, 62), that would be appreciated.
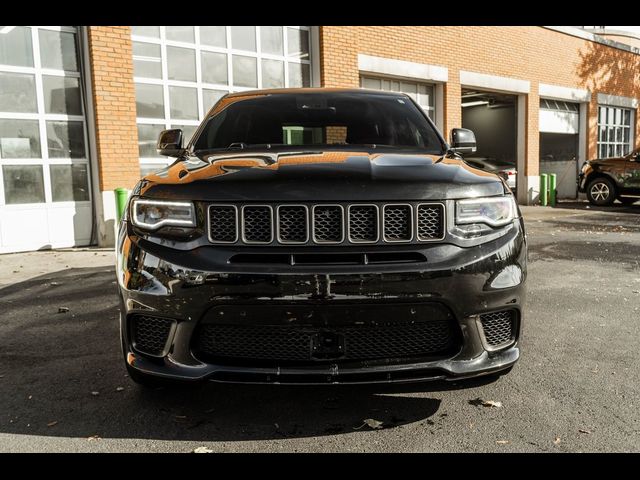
point(616, 101)
point(494, 82)
point(587, 35)
point(556, 92)
point(401, 68)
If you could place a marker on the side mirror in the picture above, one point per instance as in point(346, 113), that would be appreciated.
point(170, 143)
point(463, 140)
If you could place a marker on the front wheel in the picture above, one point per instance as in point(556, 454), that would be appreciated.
point(601, 191)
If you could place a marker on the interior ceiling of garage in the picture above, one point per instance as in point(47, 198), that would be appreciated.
point(493, 99)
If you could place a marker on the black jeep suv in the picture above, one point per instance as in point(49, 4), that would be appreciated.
point(313, 236)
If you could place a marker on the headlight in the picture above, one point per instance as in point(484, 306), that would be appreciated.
point(492, 211)
point(153, 214)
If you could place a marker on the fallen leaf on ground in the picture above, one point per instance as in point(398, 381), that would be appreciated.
point(53, 284)
point(119, 389)
point(202, 450)
point(63, 309)
point(95, 394)
point(582, 430)
point(180, 417)
point(502, 442)
point(51, 424)
point(557, 441)
point(94, 437)
point(485, 403)
point(371, 423)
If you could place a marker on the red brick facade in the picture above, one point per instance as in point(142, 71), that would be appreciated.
point(114, 103)
point(536, 54)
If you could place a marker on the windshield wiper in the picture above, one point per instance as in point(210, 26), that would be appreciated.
point(242, 145)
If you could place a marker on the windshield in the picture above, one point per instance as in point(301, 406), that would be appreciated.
point(337, 119)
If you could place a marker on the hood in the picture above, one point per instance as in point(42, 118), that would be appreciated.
point(320, 176)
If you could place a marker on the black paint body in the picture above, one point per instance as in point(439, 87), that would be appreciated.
point(180, 275)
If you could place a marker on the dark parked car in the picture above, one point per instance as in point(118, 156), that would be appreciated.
point(506, 170)
point(313, 236)
point(604, 180)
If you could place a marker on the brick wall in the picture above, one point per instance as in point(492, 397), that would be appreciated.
point(114, 104)
point(536, 54)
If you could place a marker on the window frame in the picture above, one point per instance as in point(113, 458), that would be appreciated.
point(603, 145)
point(45, 161)
point(200, 86)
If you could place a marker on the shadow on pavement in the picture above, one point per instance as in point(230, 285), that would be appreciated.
point(51, 363)
point(617, 207)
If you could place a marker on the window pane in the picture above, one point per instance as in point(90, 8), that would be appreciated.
point(147, 168)
point(214, 68)
point(373, 83)
point(146, 31)
point(19, 139)
point(180, 34)
point(298, 43)
point(17, 93)
point(184, 103)
point(210, 97)
point(148, 139)
point(299, 75)
point(149, 101)
point(213, 36)
point(58, 50)
point(181, 64)
point(65, 140)
point(62, 95)
point(69, 183)
point(15, 46)
point(187, 132)
point(147, 60)
point(602, 116)
point(602, 133)
point(611, 152)
point(627, 117)
point(271, 40)
point(23, 184)
point(243, 38)
point(244, 71)
point(272, 74)
point(627, 131)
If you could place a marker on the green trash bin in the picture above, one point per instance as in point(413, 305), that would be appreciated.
point(552, 189)
point(122, 194)
point(543, 189)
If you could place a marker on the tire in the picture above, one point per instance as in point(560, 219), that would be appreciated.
point(601, 191)
point(628, 200)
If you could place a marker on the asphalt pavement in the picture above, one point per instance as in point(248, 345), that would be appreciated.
point(63, 385)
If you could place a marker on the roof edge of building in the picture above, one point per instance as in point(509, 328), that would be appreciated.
point(594, 37)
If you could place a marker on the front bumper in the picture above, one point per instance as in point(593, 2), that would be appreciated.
point(156, 280)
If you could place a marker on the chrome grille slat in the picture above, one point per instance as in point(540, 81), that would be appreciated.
point(430, 221)
point(223, 223)
point(326, 223)
point(257, 224)
point(363, 223)
point(293, 224)
point(398, 223)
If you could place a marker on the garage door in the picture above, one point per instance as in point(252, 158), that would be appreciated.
point(559, 117)
point(559, 128)
point(45, 200)
point(422, 93)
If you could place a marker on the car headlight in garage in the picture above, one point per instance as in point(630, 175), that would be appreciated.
point(153, 214)
point(480, 216)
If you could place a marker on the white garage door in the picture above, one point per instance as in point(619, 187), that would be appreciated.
point(559, 117)
point(422, 93)
point(45, 200)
